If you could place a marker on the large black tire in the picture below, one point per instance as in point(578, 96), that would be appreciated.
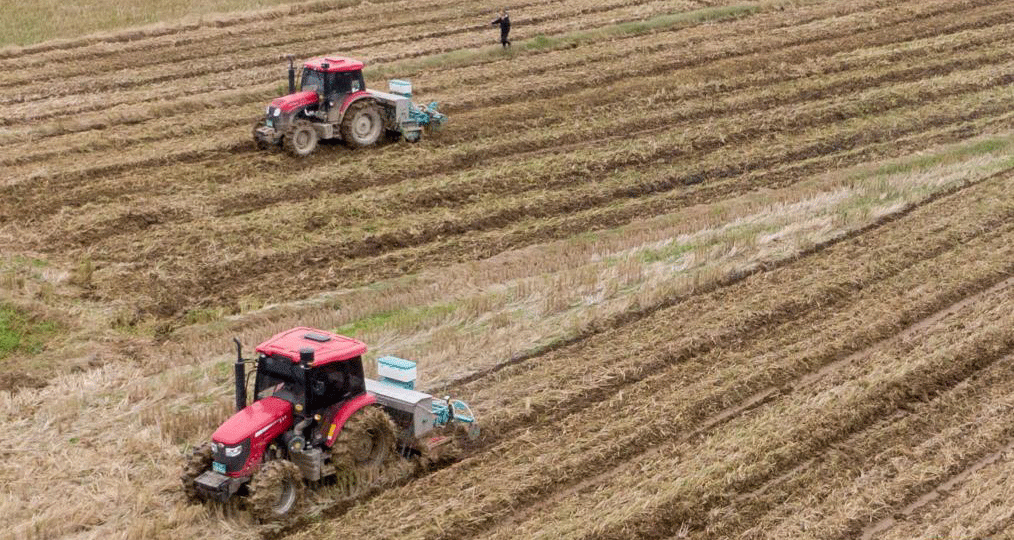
point(194, 464)
point(276, 491)
point(300, 139)
point(366, 443)
point(362, 124)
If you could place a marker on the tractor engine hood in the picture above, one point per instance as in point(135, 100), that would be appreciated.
point(294, 101)
point(260, 421)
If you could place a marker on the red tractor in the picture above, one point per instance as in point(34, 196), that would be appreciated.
point(333, 103)
point(316, 417)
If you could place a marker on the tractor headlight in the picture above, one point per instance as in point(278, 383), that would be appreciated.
point(278, 111)
point(233, 451)
point(268, 110)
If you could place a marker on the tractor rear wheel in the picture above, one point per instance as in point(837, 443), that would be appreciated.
point(276, 491)
point(362, 124)
point(365, 447)
point(301, 138)
point(194, 465)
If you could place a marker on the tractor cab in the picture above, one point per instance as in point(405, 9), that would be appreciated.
point(303, 377)
point(310, 378)
point(332, 80)
point(335, 75)
point(309, 369)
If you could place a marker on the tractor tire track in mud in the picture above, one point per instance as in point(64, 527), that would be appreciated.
point(757, 400)
point(750, 507)
point(938, 490)
point(833, 296)
point(764, 322)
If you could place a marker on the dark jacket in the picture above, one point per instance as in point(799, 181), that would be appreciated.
point(505, 24)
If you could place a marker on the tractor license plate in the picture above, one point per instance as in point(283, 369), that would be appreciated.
point(269, 122)
point(218, 467)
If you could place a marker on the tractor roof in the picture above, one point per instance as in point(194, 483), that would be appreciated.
point(327, 347)
point(334, 64)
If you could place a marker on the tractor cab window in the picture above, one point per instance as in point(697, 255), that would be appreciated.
point(342, 83)
point(338, 83)
point(272, 385)
point(312, 80)
point(345, 83)
point(335, 382)
point(279, 377)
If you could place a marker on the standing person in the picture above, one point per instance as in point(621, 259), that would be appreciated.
point(504, 20)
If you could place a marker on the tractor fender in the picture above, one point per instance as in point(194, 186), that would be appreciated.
point(288, 118)
point(345, 412)
point(297, 113)
point(352, 98)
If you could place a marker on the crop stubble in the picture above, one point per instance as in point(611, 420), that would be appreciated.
point(555, 448)
point(675, 419)
point(168, 227)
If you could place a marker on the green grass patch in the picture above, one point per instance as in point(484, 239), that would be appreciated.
point(223, 372)
point(21, 334)
point(669, 252)
point(950, 155)
point(396, 319)
point(204, 315)
point(22, 261)
point(366, 323)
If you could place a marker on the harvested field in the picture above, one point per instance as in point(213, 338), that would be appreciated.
point(704, 269)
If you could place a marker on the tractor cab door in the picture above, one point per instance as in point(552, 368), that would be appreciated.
point(343, 84)
point(336, 382)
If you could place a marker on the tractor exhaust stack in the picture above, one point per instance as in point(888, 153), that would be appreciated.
point(292, 73)
point(327, 87)
point(240, 368)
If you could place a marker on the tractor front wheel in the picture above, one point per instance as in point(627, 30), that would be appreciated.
point(362, 124)
point(261, 143)
point(194, 465)
point(301, 138)
point(276, 491)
